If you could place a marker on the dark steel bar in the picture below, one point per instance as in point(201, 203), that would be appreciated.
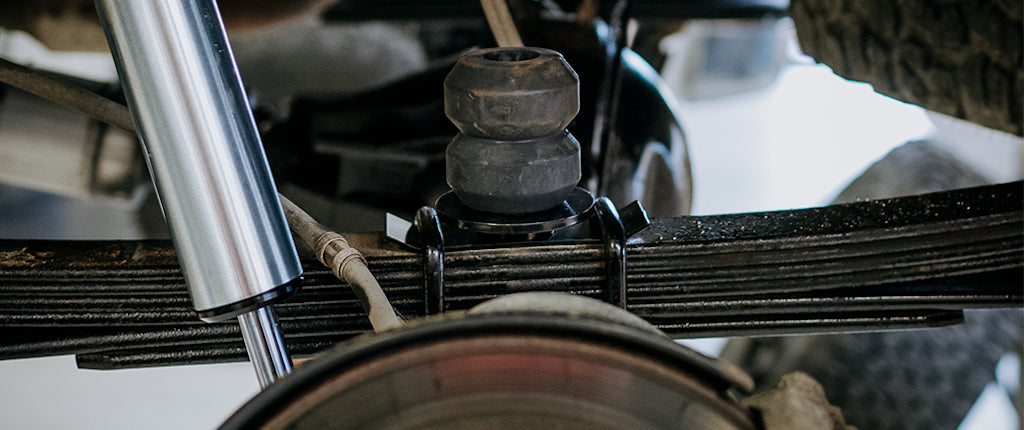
point(227, 351)
point(432, 241)
point(614, 236)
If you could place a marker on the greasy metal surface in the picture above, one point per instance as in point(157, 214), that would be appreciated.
point(513, 153)
point(502, 360)
point(837, 220)
point(907, 262)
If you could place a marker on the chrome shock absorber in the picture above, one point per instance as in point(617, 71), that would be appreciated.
point(207, 162)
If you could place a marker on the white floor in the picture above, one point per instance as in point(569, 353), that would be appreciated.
point(51, 393)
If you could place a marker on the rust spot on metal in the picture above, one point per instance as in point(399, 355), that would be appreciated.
point(20, 258)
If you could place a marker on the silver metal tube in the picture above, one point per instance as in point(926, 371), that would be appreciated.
point(208, 165)
point(264, 344)
point(204, 152)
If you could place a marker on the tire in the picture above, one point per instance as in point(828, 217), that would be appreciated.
point(959, 57)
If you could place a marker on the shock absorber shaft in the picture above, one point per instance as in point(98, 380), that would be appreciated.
point(208, 165)
point(264, 344)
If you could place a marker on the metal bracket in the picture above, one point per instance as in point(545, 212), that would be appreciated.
point(614, 237)
point(427, 233)
point(432, 247)
point(615, 229)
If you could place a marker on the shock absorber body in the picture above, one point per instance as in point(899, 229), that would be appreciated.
point(208, 165)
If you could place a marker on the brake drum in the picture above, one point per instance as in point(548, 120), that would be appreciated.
point(520, 370)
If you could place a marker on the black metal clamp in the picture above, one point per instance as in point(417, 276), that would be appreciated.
point(614, 236)
point(612, 226)
point(428, 226)
point(616, 227)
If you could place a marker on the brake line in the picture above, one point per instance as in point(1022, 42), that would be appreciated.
point(66, 94)
point(346, 263)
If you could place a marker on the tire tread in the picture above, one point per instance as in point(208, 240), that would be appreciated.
point(958, 57)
